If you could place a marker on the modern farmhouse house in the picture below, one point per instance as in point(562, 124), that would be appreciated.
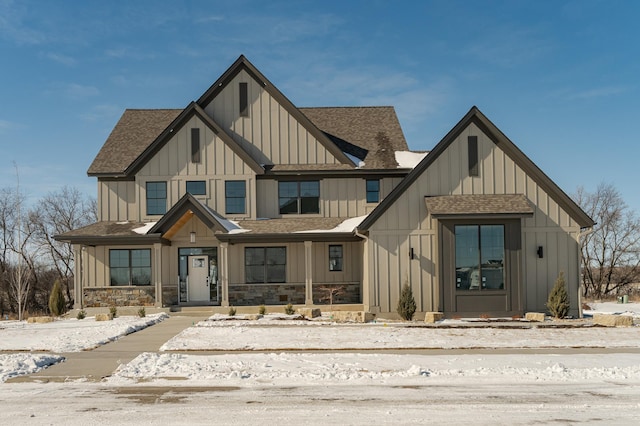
point(243, 199)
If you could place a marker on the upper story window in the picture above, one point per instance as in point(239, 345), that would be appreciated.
point(197, 187)
point(244, 99)
point(130, 267)
point(156, 198)
point(299, 197)
point(373, 190)
point(335, 258)
point(472, 146)
point(195, 145)
point(235, 195)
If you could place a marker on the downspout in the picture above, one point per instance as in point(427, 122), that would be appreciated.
point(581, 234)
point(364, 255)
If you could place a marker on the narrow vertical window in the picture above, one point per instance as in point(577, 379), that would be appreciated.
point(244, 100)
point(335, 258)
point(195, 145)
point(473, 155)
point(373, 190)
point(235, 194)
point(156, 198)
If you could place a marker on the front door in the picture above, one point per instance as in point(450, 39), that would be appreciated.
point(199, 279)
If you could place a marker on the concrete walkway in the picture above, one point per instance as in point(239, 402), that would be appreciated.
point(101, 362)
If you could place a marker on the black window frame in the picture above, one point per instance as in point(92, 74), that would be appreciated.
point(304, 204)
point(243, 96)
point(199, 183)
point(154, 195)
point(230, 196)
point(472, 147)
point(373, 194)
point(271, 272)
point(336, 257)
point(132, 268)
point(473, 277)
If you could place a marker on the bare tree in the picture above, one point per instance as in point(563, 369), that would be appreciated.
point(611, 252)
point(56, 213)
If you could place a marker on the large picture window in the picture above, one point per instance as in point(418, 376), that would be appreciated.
point(156, 198)
point(235, 194)
point(479, 257)
point(130, 267)
point(265, 264)
point(299, 197)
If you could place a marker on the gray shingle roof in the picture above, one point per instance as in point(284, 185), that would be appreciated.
point(370, 132)
point(134, 132)
point(478, 204)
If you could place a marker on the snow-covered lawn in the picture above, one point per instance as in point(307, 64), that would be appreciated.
point(18, 364)
point(70, 335)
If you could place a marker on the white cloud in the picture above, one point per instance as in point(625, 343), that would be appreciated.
point(596, 92)
point(207, 19)
point(62, 59)
point(99, 112)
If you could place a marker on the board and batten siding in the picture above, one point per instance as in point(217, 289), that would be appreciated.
point(218, 163)
point(117, 200)
point(269, 133)
point(339, 197)
point(406, 224)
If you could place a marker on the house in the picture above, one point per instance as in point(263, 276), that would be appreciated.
point(243, 199)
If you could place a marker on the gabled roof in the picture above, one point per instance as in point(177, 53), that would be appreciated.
point(137, 123)
point(107, 232)
point(476, 117)
point(189, 205)
point(371, 134)
point(242, 63)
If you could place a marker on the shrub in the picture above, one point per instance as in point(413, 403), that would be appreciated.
point(81, 314)
point(232, 311)
point(262, 310)
point(406, 303)
point(142, 312)
point(558, 301)
point(57, 305)
point(113, 311)
point(289, 309)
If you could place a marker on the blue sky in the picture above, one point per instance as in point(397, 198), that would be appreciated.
point(558, 78)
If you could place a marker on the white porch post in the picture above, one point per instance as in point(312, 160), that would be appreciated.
point(77, 275)
point(308, 272)
point(157, 257)
point(224, 274)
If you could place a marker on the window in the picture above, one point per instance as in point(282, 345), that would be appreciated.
point(479, 257)
point(335, 258)
point(265, 264)
point(130, 267)
point(195, 145)
point(244, 100)
point(156, 198)
point(235, 193)
point(299, 197)
point(197, 187)
point(373, 190)
point(472, 142)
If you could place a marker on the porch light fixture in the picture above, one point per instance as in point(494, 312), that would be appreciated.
point(540, 253)
point(192, 237)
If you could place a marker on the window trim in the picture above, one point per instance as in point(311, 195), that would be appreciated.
point(203, 182)
point(339, 265)
point(265, 265)
point(130, 267)
point(227, 197)
point(376, 192)
point(151, 211)
point(299, 197)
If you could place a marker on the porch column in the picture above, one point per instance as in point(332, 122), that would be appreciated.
point(157, 262)
point(224, 274)
point(77, 275)
point(308, 272)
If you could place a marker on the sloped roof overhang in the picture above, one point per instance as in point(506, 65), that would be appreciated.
point(479, 206)
point(289, 237)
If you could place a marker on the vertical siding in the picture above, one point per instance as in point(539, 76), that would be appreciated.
point(269, 132)
point(407, 222)
point(116, 201)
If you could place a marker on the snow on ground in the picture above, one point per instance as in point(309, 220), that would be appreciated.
point(632, 309)
point(300, 335)
point(24, 363)
point(262, 369)
point(70, 335)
